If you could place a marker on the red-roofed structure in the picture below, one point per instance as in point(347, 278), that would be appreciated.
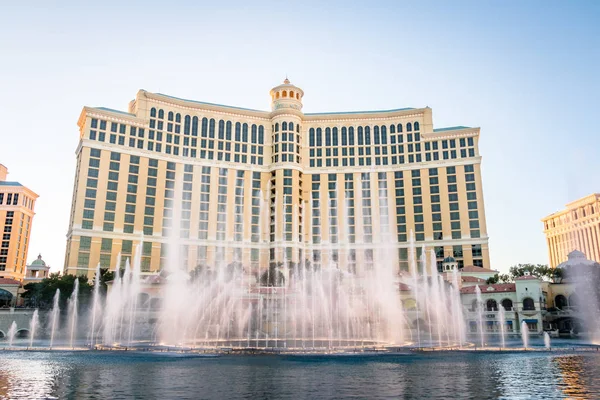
point(498, 287)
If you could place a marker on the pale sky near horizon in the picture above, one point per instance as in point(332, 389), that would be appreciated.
point(525, 72)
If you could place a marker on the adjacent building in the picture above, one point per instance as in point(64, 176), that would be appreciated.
point(235, 184)
point(577, 227)
point(17, 203)
point(36, 271)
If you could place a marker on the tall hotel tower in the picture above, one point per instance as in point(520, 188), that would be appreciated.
point(234, 184)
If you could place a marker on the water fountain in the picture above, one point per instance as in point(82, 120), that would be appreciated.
point(54, 316)
point(525, 334)
point(12, 331)
point(96, 308)
point(72, 311)
point(480, 315)
point(547, 343)
point(33, 325)
point(502, 318)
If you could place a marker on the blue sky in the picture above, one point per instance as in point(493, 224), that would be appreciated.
point(525, 72)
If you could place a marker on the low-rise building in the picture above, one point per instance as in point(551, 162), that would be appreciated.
point(36, 271)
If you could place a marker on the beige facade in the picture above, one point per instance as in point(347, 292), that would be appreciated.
point(16, 216)
point(235, 184)
point(575, 228)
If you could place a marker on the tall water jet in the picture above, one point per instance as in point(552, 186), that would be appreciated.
point(12, 331)
point(480, 314)
point(33, 324)
point(502, 318)
point(72, 307)
point(96, 307)
point(525, 334)
point(547, 344)
point(54, 315)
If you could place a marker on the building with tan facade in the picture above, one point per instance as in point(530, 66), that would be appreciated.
point(233, 184)
point(577, 227)
point(17, 203)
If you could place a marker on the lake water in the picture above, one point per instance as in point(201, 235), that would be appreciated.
point(122, 375)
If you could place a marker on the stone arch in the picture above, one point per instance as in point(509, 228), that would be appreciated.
point(560, 301)
point(22, 333)
point(284, 93)
point(2, 335)
point(507, 304)
point(528, 304)
point(491, 305)
point(6, 298)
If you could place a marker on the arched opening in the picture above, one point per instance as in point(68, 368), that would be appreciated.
point(161, 114)
point(153, 112)
point(507, 304)
point(292, 94)
point(284, 93)
point(2, 335)
point(560, 301)
point(409, 127)
point(277, 95)
point(298, 96)
point(474, 305)
point(416, 126)
point(491, 305)
point(5, 298)
point(399, 128)
point(22, 334)
point(528, 304)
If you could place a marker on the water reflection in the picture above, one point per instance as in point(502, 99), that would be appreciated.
point(437, 376)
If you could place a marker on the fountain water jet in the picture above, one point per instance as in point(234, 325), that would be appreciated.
point(525, 334)
point(480, 315)
point(33, 324)
point(12, 331)
point(54, 316)
point(72, 307)
point(502, 318)
point(547, 343)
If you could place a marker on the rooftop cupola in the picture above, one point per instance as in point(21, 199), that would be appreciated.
point(286, 96)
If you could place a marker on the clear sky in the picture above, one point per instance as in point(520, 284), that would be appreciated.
point(525, 72)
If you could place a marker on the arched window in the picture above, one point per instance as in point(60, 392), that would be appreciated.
point(507, 304)
point(311, 137)
point(409, 127)
point(319, 137)
point(254, 134)
point(560, 301)
point(261, 135)
point(292, 94)
point(327, 136)
point(334, 136)
point(284, 93)
point(399, 128)
point(297, 128)
point(528, 304)
point(245, 133)
point(491, 305)
point(298, 96)
point(291, 126)
point(376, 135)
point(384, 134)
point(238, 132)
point(351, 136)
point(161, 114)
point(153, 112)
point(277, 127)
point(170, 116)
point(277, 95)
point(178, 118)
point(367, 135)
point(228, 130)
point(361, 136)
point(211, 131)
point(392, 128)
point(204, 132)
point(284, 126)
point(195, 126)
point(344, 136)
point(187, 125)
point(221, 129)
point(416, 126)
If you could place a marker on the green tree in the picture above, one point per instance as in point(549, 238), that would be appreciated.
point(41, 294)
point(540, 271)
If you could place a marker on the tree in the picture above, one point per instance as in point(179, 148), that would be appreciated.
point(41, 294)
point(540, 271)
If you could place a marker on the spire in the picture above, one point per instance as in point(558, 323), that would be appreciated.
point(286, 81)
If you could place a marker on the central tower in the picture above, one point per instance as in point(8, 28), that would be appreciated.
point(285, 193)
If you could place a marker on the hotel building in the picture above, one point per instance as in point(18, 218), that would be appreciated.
point(575, 228)
point(16, 216)
point(235, 184)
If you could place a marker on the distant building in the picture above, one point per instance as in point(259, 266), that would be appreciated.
point(16, 216)
point(36, 271)
point(575, 228)
point(234, 184)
